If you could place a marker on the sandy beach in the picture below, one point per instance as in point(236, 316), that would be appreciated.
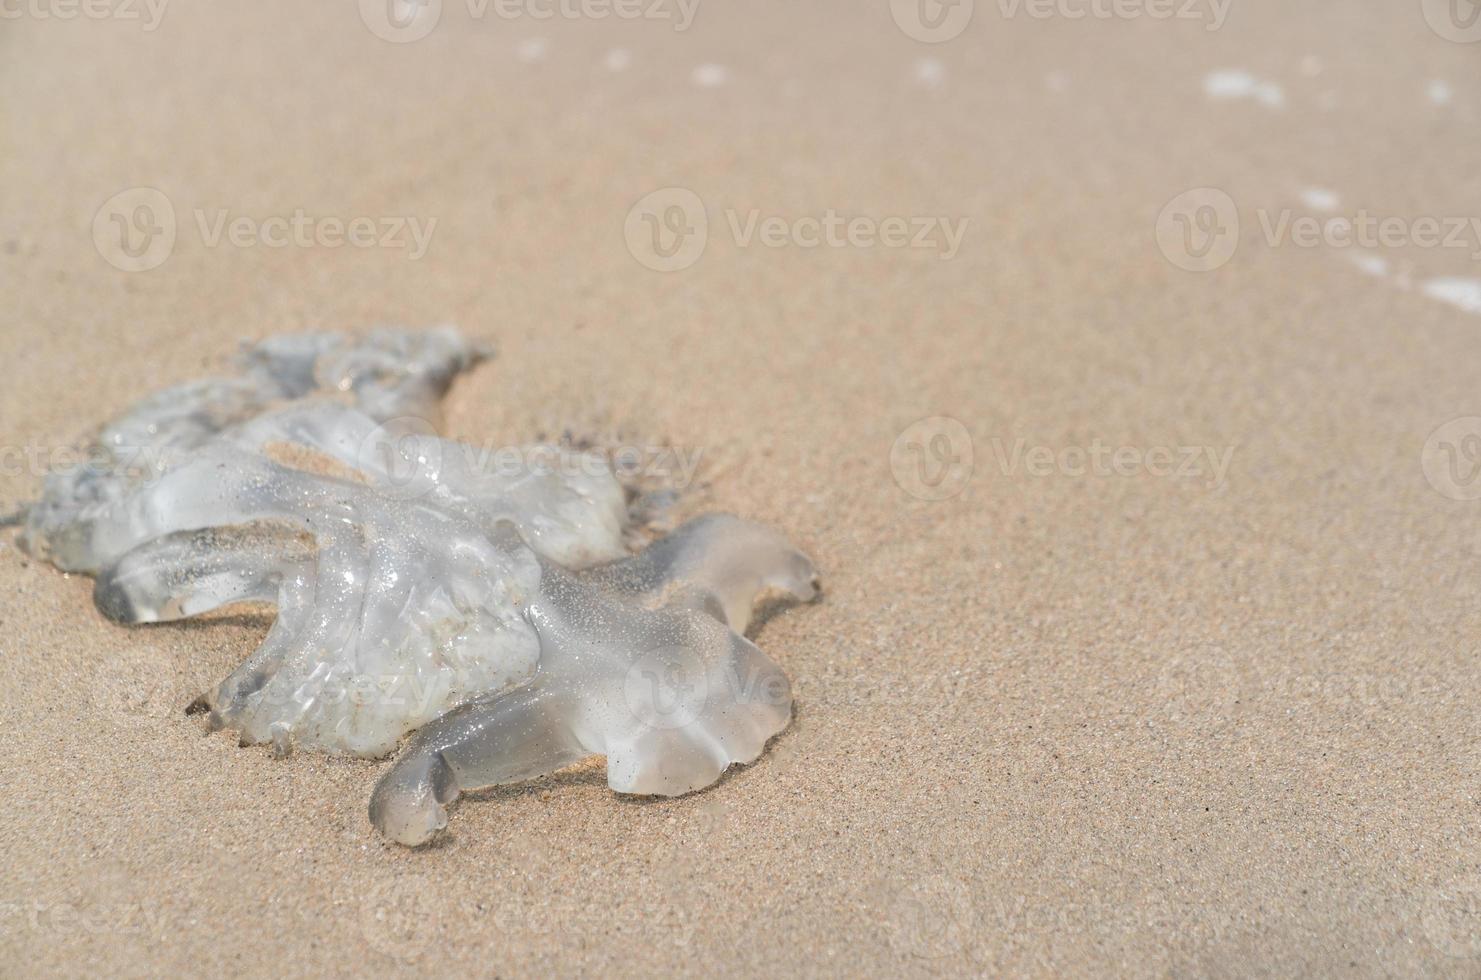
point(1145, 497)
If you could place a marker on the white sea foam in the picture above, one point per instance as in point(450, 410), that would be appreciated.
point(532, 49)
point(1238, 84)
point(710, 75)
point(1319, 199)
point(1374, 265)
point(1460, 292)
point(930, 72)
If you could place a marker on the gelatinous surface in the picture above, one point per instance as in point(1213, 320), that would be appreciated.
point(387, 375)
point(483, 598)
point(640, 660)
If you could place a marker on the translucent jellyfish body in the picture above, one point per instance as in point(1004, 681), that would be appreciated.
point(484, 601)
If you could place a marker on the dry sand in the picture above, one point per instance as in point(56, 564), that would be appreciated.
point(1061, 723)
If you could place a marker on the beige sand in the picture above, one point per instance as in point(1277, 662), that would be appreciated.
point(1135, 724)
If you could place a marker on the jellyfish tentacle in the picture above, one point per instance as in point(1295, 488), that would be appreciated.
point(672, 696)
point(233, 696)
point(734, 561)
point(388, 374)
point(513, 737)
point(189, 573)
